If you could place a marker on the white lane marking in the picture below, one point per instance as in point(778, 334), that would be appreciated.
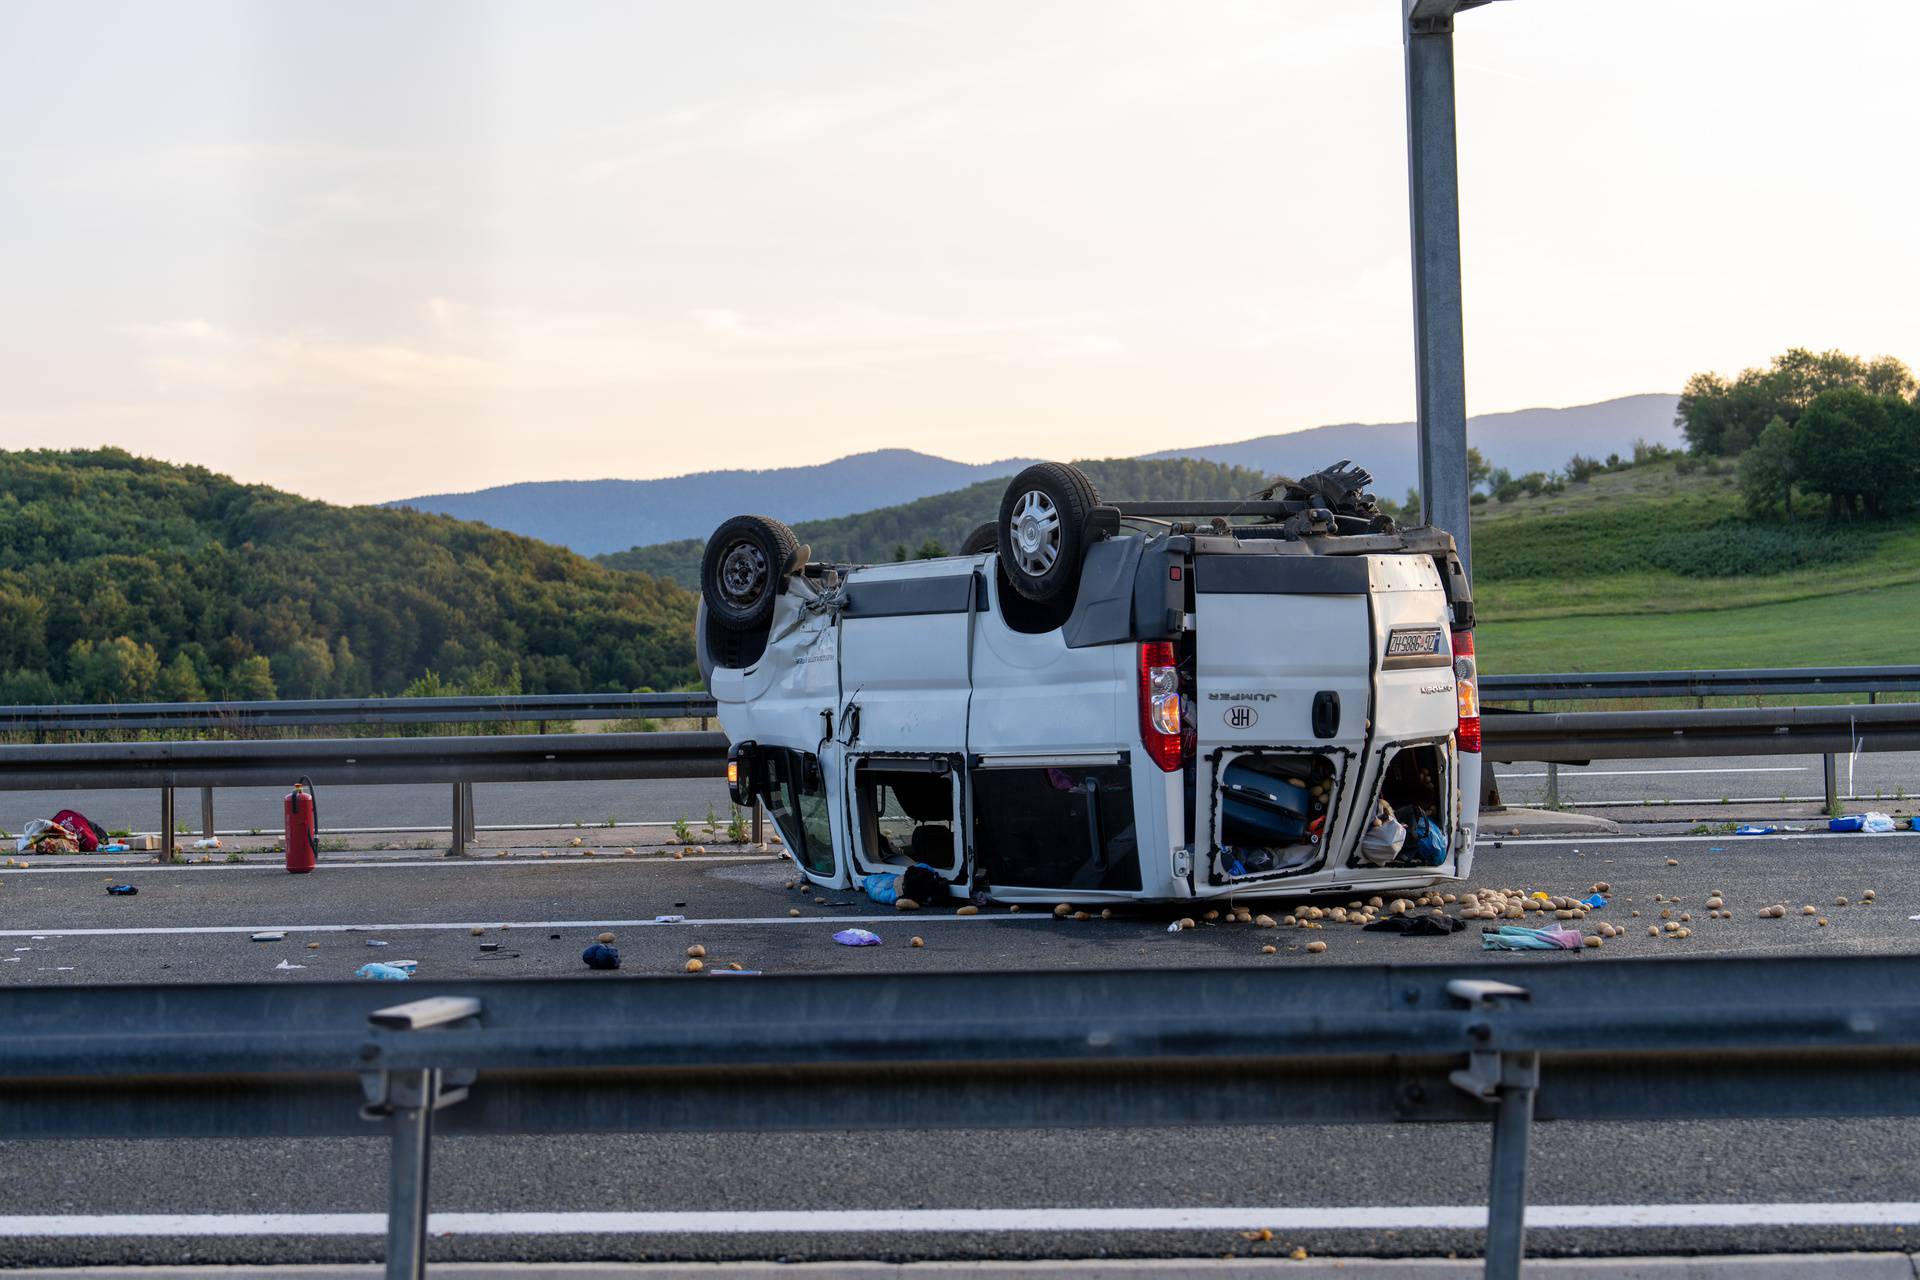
point(1486, 838)
point(1576, 771)
point(840, 1221)
point(434, 926)
point(274, 863)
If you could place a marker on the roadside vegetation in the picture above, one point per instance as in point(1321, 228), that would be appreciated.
point(123, 579)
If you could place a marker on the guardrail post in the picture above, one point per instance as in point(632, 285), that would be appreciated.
point(166, 824)
point(408, 1099)
point(1553, 785)
point(458, 849)
point(206, 812)
point(759, 822)
point(1830, 782)
point(1508, 1081)
point(466, 803)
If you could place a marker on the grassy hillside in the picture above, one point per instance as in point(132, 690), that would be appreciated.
point(947, 518)
point(1651, 568)
point(124, 579)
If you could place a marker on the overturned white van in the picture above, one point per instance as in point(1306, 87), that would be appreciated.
point(1158, 701)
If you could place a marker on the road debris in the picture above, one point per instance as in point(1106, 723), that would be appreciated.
point(284, 965)
point(603, 937)
point(696, 952)
point(601, 956)
point(857, 938)
point(695, 966)
point(916, 941)
point(270, 935)
point(122, 890)
point(1315, 948)
point(382, 972)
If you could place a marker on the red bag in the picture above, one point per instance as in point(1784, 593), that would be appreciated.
point(85, 834)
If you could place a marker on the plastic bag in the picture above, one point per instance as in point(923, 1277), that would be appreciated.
point(1429, 842)
point(882, 887)
point(382, 972)
point(1382, 844)
point(856, 938)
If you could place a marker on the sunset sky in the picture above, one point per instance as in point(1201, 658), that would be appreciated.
point(364, 251)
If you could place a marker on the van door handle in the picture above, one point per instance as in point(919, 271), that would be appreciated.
point(1326, 713)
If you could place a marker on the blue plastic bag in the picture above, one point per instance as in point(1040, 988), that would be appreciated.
point(1427, 843)
point(882, 887)
point(856, 938)
point(382, 972)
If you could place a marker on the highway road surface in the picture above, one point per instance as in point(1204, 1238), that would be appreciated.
point(1598, 1189)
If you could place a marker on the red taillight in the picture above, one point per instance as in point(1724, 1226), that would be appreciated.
point(1160, 704)
point(1466, 679)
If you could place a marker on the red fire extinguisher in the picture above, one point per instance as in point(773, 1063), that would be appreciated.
point(303, 826)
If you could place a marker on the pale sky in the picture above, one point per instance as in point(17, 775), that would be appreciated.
point(369, 250)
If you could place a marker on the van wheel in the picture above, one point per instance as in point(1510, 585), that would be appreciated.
point(1042, 531)
point(984, 538)
point(746, 560)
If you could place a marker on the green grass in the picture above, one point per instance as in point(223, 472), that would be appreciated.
point(1651, 570)
point(1858, 627)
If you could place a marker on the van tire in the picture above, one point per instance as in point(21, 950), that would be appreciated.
point(1042, 531)
point(745, 566)
point(984, 538)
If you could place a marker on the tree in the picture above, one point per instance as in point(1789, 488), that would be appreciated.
point(116, 670)
point(930, 550)
point(1859, 450)
point(179, 682)
point(1479, 470)
point(1766, 470)
point(1410, 509)
point(1726, 418)
point(250, 680)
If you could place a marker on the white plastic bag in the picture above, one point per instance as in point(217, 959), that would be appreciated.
point(1382, 844)
point(1877, 822)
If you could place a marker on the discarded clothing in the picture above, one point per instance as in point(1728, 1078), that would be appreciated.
point(1515, 938)
point(1595, 901)
point(122, 890)
point(1434, 924)
point(882, 887)
point(856, 938)
point(601, 956)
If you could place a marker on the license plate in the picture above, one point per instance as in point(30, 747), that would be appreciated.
point(1413, 642)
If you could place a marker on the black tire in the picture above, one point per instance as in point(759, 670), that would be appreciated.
point(747, 560)
point(984, 538)
point(1042, 530)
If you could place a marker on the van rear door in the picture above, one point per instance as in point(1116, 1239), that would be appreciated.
point(1282, 698)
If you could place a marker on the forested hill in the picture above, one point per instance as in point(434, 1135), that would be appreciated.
point(123, 579)
point(937, 525)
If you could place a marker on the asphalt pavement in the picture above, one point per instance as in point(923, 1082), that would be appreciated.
point(1703, 1187)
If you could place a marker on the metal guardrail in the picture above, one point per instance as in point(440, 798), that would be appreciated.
point(538, 708)
point(228, 716)
point(1511, 1042)
point(460, 761)
point(1737, 682)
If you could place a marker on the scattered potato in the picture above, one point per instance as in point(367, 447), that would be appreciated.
point(1269, 949)
point(1288, 921)
point(1186, 922)
point(1715, 903)
point(1315, 948)
point(694, 952)
point(1687, 916)
point(1808, 910)
point(1266, 922)
point(1822, 922)
point(1081, 915)
point(735, 966)
point(905, 904)
point(818, 902)
point(971, 910)
point(1653, 931)
point(1673, 862)
point(1593, 940)
point(601, 937)
point(916, 941)
point(1867, 896)
point(1840, 901)
point(793, 911)
point(1063, 911)
point(695, 966)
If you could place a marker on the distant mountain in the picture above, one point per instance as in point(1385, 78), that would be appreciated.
point(595, 516)
point(945, 519)
point(1522, 441)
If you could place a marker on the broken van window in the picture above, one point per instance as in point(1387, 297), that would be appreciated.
point(797, 803)
point(1056, 828)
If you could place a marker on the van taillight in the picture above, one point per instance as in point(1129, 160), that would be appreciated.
point(1160, 704)
point(1466, 679)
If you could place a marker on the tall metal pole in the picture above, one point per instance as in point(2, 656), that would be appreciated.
point(1433, 192)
